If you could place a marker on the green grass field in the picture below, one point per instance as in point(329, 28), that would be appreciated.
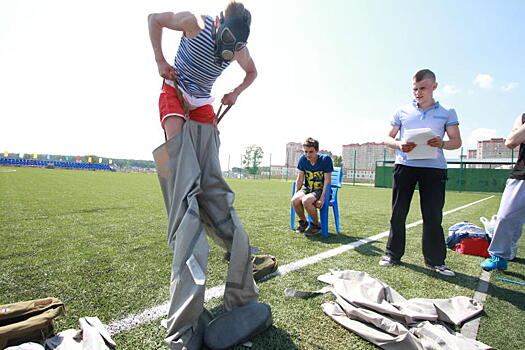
point(96, 240)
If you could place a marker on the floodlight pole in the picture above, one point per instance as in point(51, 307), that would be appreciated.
point(270, 168)
point(384, 167)
point(355, 156)
point(229, 174)
point(460, 169)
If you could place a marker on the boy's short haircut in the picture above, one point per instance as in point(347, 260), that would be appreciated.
point(424, 74)
point(310, 142)
point(237, 9)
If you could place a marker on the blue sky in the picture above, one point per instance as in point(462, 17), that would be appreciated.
point(79, 77)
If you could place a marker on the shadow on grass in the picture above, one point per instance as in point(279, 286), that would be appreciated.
point(370, 249)
point(94, 210)
point(81, 211)
point(511, 296)
point(272, 338)
point(517, 261)
point(514, 275)
point(334, 239)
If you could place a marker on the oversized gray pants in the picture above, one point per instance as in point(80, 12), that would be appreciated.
point(510, 219)
point(199, 201)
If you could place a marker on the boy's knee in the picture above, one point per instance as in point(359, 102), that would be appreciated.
point(296, 200)
point(307, 200)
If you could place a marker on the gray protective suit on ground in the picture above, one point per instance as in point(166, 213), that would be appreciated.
point(376, 312)
point(199, 201)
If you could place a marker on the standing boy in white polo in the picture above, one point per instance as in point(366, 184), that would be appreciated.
point(430, 174)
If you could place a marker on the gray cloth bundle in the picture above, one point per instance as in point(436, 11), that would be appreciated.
point(376, 312)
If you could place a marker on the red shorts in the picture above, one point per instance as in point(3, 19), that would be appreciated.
point(170, 106)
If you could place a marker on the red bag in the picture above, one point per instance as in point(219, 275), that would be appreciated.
point(473, 246)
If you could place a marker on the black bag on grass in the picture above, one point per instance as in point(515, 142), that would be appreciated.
point(28, 321)
point(238, 326)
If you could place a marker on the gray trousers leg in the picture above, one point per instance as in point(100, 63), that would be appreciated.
point(510, 219)
point(199, 201)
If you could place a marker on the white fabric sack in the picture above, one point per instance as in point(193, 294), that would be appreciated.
point(26, 346)
point(92, 336)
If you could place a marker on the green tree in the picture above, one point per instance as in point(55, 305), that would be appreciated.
point(338, 161)
point(252, 158)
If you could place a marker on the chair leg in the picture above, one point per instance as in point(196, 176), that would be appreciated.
point(336, 217)
point(324, 220)
point(292, 210)
point(323, 215)
point(292, 217)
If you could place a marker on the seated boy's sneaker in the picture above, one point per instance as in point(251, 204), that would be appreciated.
point(313, 230)
point(303, 225)
point(444, 270)
point(388, 261)
point(493, 263)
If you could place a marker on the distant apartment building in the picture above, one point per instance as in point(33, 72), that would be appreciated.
point(493, 149)
point(294, 150)
point(283, 172)
point(472, 154)
point(364, 156)
point(490, 150)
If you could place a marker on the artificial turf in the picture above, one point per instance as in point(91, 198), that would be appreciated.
point(96, 240)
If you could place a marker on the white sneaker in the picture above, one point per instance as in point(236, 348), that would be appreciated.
point(387, 261)
point(444, 270)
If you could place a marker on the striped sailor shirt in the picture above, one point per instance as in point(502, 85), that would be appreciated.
point(195, 63)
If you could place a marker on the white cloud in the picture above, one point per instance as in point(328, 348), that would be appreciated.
point(478, 135)
point(509, 86)
point(470, 92)
point(484, 81)
point(451, 90)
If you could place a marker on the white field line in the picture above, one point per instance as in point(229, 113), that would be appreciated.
point(470, 328)
point(159, 311)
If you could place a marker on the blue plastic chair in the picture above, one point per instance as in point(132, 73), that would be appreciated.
point(330, 201)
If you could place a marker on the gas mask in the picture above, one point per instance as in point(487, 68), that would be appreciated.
point(230, 36)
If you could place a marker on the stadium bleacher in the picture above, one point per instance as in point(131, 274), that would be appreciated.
point(52, 163)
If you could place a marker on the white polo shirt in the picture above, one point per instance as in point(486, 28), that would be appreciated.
point(436, 117)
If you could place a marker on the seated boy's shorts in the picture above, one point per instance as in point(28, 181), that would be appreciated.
point(170, 106)
point(317, 193)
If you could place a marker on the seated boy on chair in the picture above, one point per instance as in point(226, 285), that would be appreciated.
point(315, 172)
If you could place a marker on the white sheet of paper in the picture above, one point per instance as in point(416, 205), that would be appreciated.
point(420, 138)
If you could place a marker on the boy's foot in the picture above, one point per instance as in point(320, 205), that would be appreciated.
point(493, 263)
point(388, 261)
point(444, 270)
point(303, 225)
point(313, 230)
